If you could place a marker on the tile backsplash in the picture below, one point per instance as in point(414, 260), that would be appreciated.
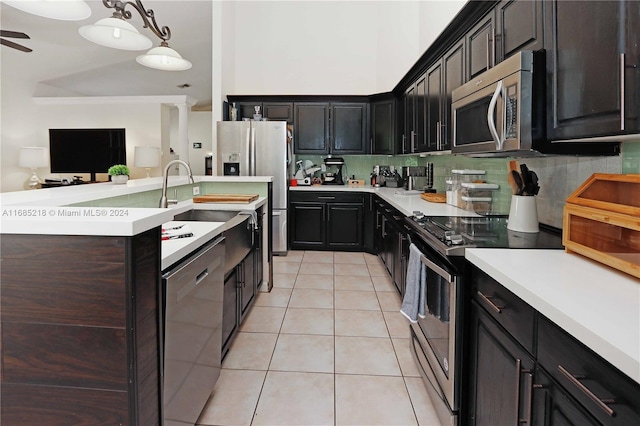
point(558, 176)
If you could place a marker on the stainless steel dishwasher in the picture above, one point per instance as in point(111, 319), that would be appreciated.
point(192, 332)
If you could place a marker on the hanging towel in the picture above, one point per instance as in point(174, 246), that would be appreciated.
point(413, 304)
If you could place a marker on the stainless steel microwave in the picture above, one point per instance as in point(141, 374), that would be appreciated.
point(503, 109)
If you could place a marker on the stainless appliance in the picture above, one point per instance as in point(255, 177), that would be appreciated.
point(418, 178)
point(258, 148)
point(502, 110)
point(191, 330)
point(437, 339)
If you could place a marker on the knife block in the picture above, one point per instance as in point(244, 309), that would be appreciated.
point(601, 221)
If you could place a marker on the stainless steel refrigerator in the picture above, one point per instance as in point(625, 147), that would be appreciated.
point(258, 148)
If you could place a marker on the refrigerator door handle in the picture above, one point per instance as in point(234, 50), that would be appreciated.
point(252, 158)
point(246, 160)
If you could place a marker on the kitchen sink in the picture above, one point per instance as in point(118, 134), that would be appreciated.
point(207, 215)
point(238, 232)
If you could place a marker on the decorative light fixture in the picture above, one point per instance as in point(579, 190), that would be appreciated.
point(33, 157)
point(147, 157)
point(65, 10)
point(115, 32)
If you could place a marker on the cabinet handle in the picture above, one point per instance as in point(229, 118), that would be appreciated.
point(575, 380)
point(530, 387)
point(404, 138)
point(487, 300)
point(488, 54)
point(517, 398)
point(326, 197)
point(413, 148)
point(623, 67)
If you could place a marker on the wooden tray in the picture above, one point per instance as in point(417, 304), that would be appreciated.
point(225, 198)
point(434, 197)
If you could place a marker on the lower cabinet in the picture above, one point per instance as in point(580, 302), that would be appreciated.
point(241, 286)
point(501, 372)
point(326, 221)
point(391, 242)
point(523, 368)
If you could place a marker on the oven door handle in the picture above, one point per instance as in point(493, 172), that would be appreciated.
point(490, 120)
point(429, 264)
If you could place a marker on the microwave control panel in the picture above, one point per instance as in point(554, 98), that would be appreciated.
point(511, 105)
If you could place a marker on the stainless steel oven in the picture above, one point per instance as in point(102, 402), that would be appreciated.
point(436, 339)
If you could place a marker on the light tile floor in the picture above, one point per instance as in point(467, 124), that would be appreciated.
point(327, 346)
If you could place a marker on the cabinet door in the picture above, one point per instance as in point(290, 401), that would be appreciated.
point(383, 129)
point(369, 227)
point(454, 77)
point(589, 50)
point(421, 105)
point(344, 226)
point(519, 26)
point(480, 46)
point(311, 130)
point(434, 107)
point(409, 121)
point(247, 109)
point(501, 374)
point(280, 111)
point(229, 309)
point(552, 406)
point(349, 128)
point(247, 283)
point(307, 225)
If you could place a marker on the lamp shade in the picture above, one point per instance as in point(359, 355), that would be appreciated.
point(115, 33)
point(164, 58)
point(33, 157)
point(64, 10)
point(146, 156)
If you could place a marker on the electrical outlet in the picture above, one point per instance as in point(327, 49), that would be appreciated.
point(196, 190)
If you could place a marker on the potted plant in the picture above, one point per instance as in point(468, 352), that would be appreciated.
point(119, 173)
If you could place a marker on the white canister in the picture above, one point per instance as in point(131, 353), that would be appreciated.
point(523, 214)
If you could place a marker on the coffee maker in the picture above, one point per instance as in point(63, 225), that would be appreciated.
point(333, 174)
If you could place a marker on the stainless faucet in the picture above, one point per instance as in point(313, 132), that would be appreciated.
point(164, 203)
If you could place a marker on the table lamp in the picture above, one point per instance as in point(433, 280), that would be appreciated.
point(33, 157)
point(147, 157)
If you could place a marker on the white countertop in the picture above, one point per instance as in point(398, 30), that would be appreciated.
point(597, 305)
point(43, 211)
point(174, 250)
point(397, 197)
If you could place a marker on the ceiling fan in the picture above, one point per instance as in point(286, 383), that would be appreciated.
point(14, 34)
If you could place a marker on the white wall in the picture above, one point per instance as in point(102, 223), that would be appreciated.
point(435, 16)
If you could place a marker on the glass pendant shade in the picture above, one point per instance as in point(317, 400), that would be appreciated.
point(164, 58)
point(65, 10)
point(115, 33)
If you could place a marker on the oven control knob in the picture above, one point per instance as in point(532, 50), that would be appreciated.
point(448, 235)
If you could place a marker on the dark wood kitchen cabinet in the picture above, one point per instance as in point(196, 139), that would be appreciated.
point(278, 111)
point(391, 242)
point(408, 120)
point(480, 46)
point(383, 116)
point(326, 221)
point(442, 78)
point(593, 84)
point(80, 330)
point(519, 26)
point(415, 110)
point(568, 385)
point(248, 109)
point(331, 128)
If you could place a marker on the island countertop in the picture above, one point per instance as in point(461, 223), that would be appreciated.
point(46, 211)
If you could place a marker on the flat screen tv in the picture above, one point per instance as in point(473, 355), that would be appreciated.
point(86, 150)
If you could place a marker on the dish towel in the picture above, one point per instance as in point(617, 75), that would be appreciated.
point(413, 304)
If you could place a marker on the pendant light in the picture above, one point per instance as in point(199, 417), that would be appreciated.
point(164, 58)
point(117, 33)
point(64, 10)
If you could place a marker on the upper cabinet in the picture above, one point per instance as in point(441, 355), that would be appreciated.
point(311, 131)
point(331, 128)
point(278, 111)
point(480, 45)
point(519, 26)
point(383, 115)
point(592, 67)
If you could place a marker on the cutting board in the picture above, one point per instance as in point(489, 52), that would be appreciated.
point(225, 198)
point(433, 197)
